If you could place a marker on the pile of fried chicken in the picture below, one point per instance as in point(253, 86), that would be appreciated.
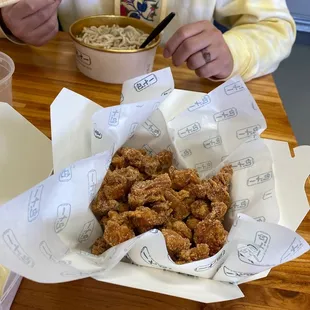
point(142, 192)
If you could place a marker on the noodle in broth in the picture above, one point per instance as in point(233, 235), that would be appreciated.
point(115, 37)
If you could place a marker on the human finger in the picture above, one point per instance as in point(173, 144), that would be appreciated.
point(40, 17)
point(181, 35)
point(24, 8)
point(44, 33)
point(190, 47)
point(210, 69)
point(202, 57)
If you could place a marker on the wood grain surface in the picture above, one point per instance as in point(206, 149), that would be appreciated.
point(40, 75)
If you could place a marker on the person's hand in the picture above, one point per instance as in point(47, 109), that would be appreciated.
point(32, 21)
point(202, 46)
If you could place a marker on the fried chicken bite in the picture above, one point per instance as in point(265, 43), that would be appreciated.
point(123, 207)
point(212, 233)
point(224, 176)
point(149, 191)
point(162, 208)
point(216, 192)
point(141, 192)
point(198, 191)
point(182, 178)
point(119, 218)
point(104, 220)
point(180, 208)
point(115, 233)
point(114, 185)
point(139, 159)
point(200, 209)
point(118, 162)
point(101, 206)
point(175, 243)
point(165, 159)
point(218, 212)
point(181, 228)
point(211, 190)
point(201, 251)
point(131, 174)
point(100, 246)
point(144, 219)
point(192, 222)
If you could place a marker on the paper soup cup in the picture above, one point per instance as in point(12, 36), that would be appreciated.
point(113, 66)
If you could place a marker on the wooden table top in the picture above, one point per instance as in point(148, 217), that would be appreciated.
point(40, 75)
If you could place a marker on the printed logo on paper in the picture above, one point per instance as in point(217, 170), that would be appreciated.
point(260, 219)
point(225, 115)
point(189, 130)
point(46, 251)
point(86, 231)
point(83, 58)
point(243, 163)
point(34, 203)
point(145, 83)
point(234, 88)
point(216, 141)
point(97, 133)
point(292, 250)
point(167, 92)
point(259, 179)
point(13, 244)
point(151, 128)
point(254, 106)
point(204, 166)
point(65, 175)
point(268, 195)
point(132, 130)
point(114, 117)
point(211, 265)
point(254, 254)
point(63, 215)
point(236, 274)
point(240, 205)
point(156, 106)
point(146, 256)
point(149, 150)
point(248, 132)
point(186, 153)
point(200, 103)
point(92, 183)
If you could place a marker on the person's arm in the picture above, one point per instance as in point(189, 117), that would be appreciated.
point(262, 34)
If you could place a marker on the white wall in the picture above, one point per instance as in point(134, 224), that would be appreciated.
point(299, 7)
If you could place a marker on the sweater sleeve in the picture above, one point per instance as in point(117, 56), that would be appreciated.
point(261, 34)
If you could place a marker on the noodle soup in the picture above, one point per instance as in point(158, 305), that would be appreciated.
point(107, 47)
point(115, 37)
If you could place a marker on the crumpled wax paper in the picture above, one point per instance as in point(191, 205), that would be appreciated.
point(46, 233)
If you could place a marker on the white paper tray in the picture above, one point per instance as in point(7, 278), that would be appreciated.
point(12, 125)
point(21, 140)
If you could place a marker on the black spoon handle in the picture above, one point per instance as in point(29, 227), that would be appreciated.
point(161, 26)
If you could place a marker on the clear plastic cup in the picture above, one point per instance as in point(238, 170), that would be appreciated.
point(7, 69)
